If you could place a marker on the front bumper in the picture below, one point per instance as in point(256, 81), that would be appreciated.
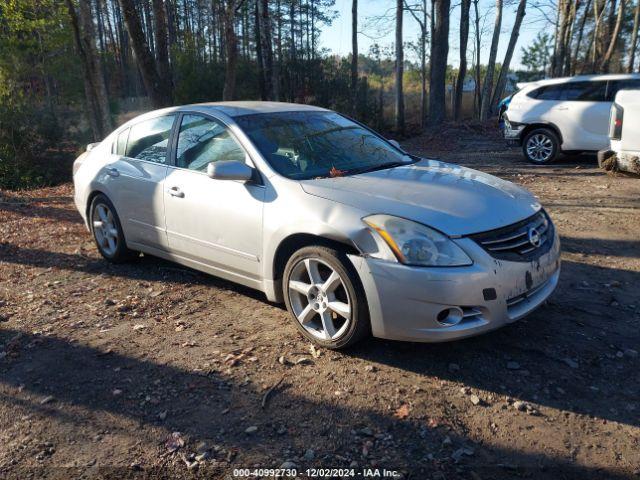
point(512, 132)
point(404, 302)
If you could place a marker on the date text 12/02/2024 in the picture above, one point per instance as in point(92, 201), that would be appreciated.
point(317, 472)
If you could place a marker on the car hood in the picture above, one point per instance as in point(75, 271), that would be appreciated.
point(452, 199)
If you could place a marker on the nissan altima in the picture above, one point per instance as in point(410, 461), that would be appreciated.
point(356, 236)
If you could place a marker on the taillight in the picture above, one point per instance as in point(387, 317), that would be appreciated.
point(617, 114)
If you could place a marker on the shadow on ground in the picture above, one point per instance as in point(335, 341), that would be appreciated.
point(80, 376)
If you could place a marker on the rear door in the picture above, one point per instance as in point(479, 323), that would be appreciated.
point(136, 177)
point(584, 115)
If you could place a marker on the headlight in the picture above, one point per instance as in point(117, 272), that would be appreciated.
point(416, 244)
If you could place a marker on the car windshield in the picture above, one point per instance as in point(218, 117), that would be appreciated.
point(303, 145)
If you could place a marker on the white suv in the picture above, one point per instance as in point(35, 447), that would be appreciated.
point(567, 115)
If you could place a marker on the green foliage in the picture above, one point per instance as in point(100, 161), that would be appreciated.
point(39, 81)
point(536, 56)
point(29, 146)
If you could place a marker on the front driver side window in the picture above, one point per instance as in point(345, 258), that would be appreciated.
point(203, 140)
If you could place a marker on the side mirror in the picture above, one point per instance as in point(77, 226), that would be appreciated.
point(230, 170)
point(395, 144)
point(91, 146)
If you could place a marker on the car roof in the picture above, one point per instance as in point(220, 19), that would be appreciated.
point(231, 109)
point(236, 109)
point(581, 78)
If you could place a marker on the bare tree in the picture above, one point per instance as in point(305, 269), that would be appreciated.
point(421, 16)
point(439, 54)
point(562, 28)
point(477, 92)
point(634, 38)
point(271, 78)
point(577, 49)
point(162, 44)
point(604, 64)
point(487, 87)
point(156, 88)
point(231, 49)
point(94, 85)
point(465, 6)
point(354, 55)
point(504, 69)
point(399, 68)
point(598, 13)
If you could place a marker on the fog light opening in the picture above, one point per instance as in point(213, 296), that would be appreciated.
point(449, 316)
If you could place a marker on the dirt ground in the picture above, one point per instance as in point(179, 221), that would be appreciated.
point(154, 370)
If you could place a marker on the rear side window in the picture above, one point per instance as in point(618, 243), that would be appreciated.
point(615, 85)
point(149, 139)
point(584, 91)
point(550, 92)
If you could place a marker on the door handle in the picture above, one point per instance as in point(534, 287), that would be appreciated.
point(176, 192)
point(561, 108)
point(113, 172)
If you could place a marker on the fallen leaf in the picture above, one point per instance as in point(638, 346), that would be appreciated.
point(402, 412)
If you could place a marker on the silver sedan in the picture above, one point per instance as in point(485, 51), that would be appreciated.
point(354, 235)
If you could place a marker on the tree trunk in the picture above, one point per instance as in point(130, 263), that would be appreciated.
point(604, 64)
point(478, 93)
point(597, 17)
point(504, 69)
point(231, 51)
point(423, 69)
point(150, 77)
point(162, 46)
point(270, 74)
point(634, 38)
point(400, 126)
point(465, 6)
point(439, 53)
point(487, 88)
point(576, 50)
point(94, 85)
point(354, 56)
point(264, 94)
point(573, 11)
point(560, 50)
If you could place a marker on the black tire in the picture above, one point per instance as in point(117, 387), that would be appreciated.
point(541, 137)
point(121, 253)
point(359, 325)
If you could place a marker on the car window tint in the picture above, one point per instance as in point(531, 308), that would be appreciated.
point(120, 145)
point(584, 91)
point(203, 140)
point(148, 139)
point(550, 92)
point(615, 85)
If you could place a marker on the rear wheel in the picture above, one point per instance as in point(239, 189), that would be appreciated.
point(325, 298)
point(107, 231)
point(541, 146)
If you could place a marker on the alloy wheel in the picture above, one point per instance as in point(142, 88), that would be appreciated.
point(105, 229)
point(539, 147)
point(319, 299)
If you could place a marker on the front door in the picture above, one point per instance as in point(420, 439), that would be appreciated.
point(217, 223)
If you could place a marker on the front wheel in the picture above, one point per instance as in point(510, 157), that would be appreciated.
point(325, 297)
point(541, 146)
point(107, 231)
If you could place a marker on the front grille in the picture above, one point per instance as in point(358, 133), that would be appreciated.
point(517, 242)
